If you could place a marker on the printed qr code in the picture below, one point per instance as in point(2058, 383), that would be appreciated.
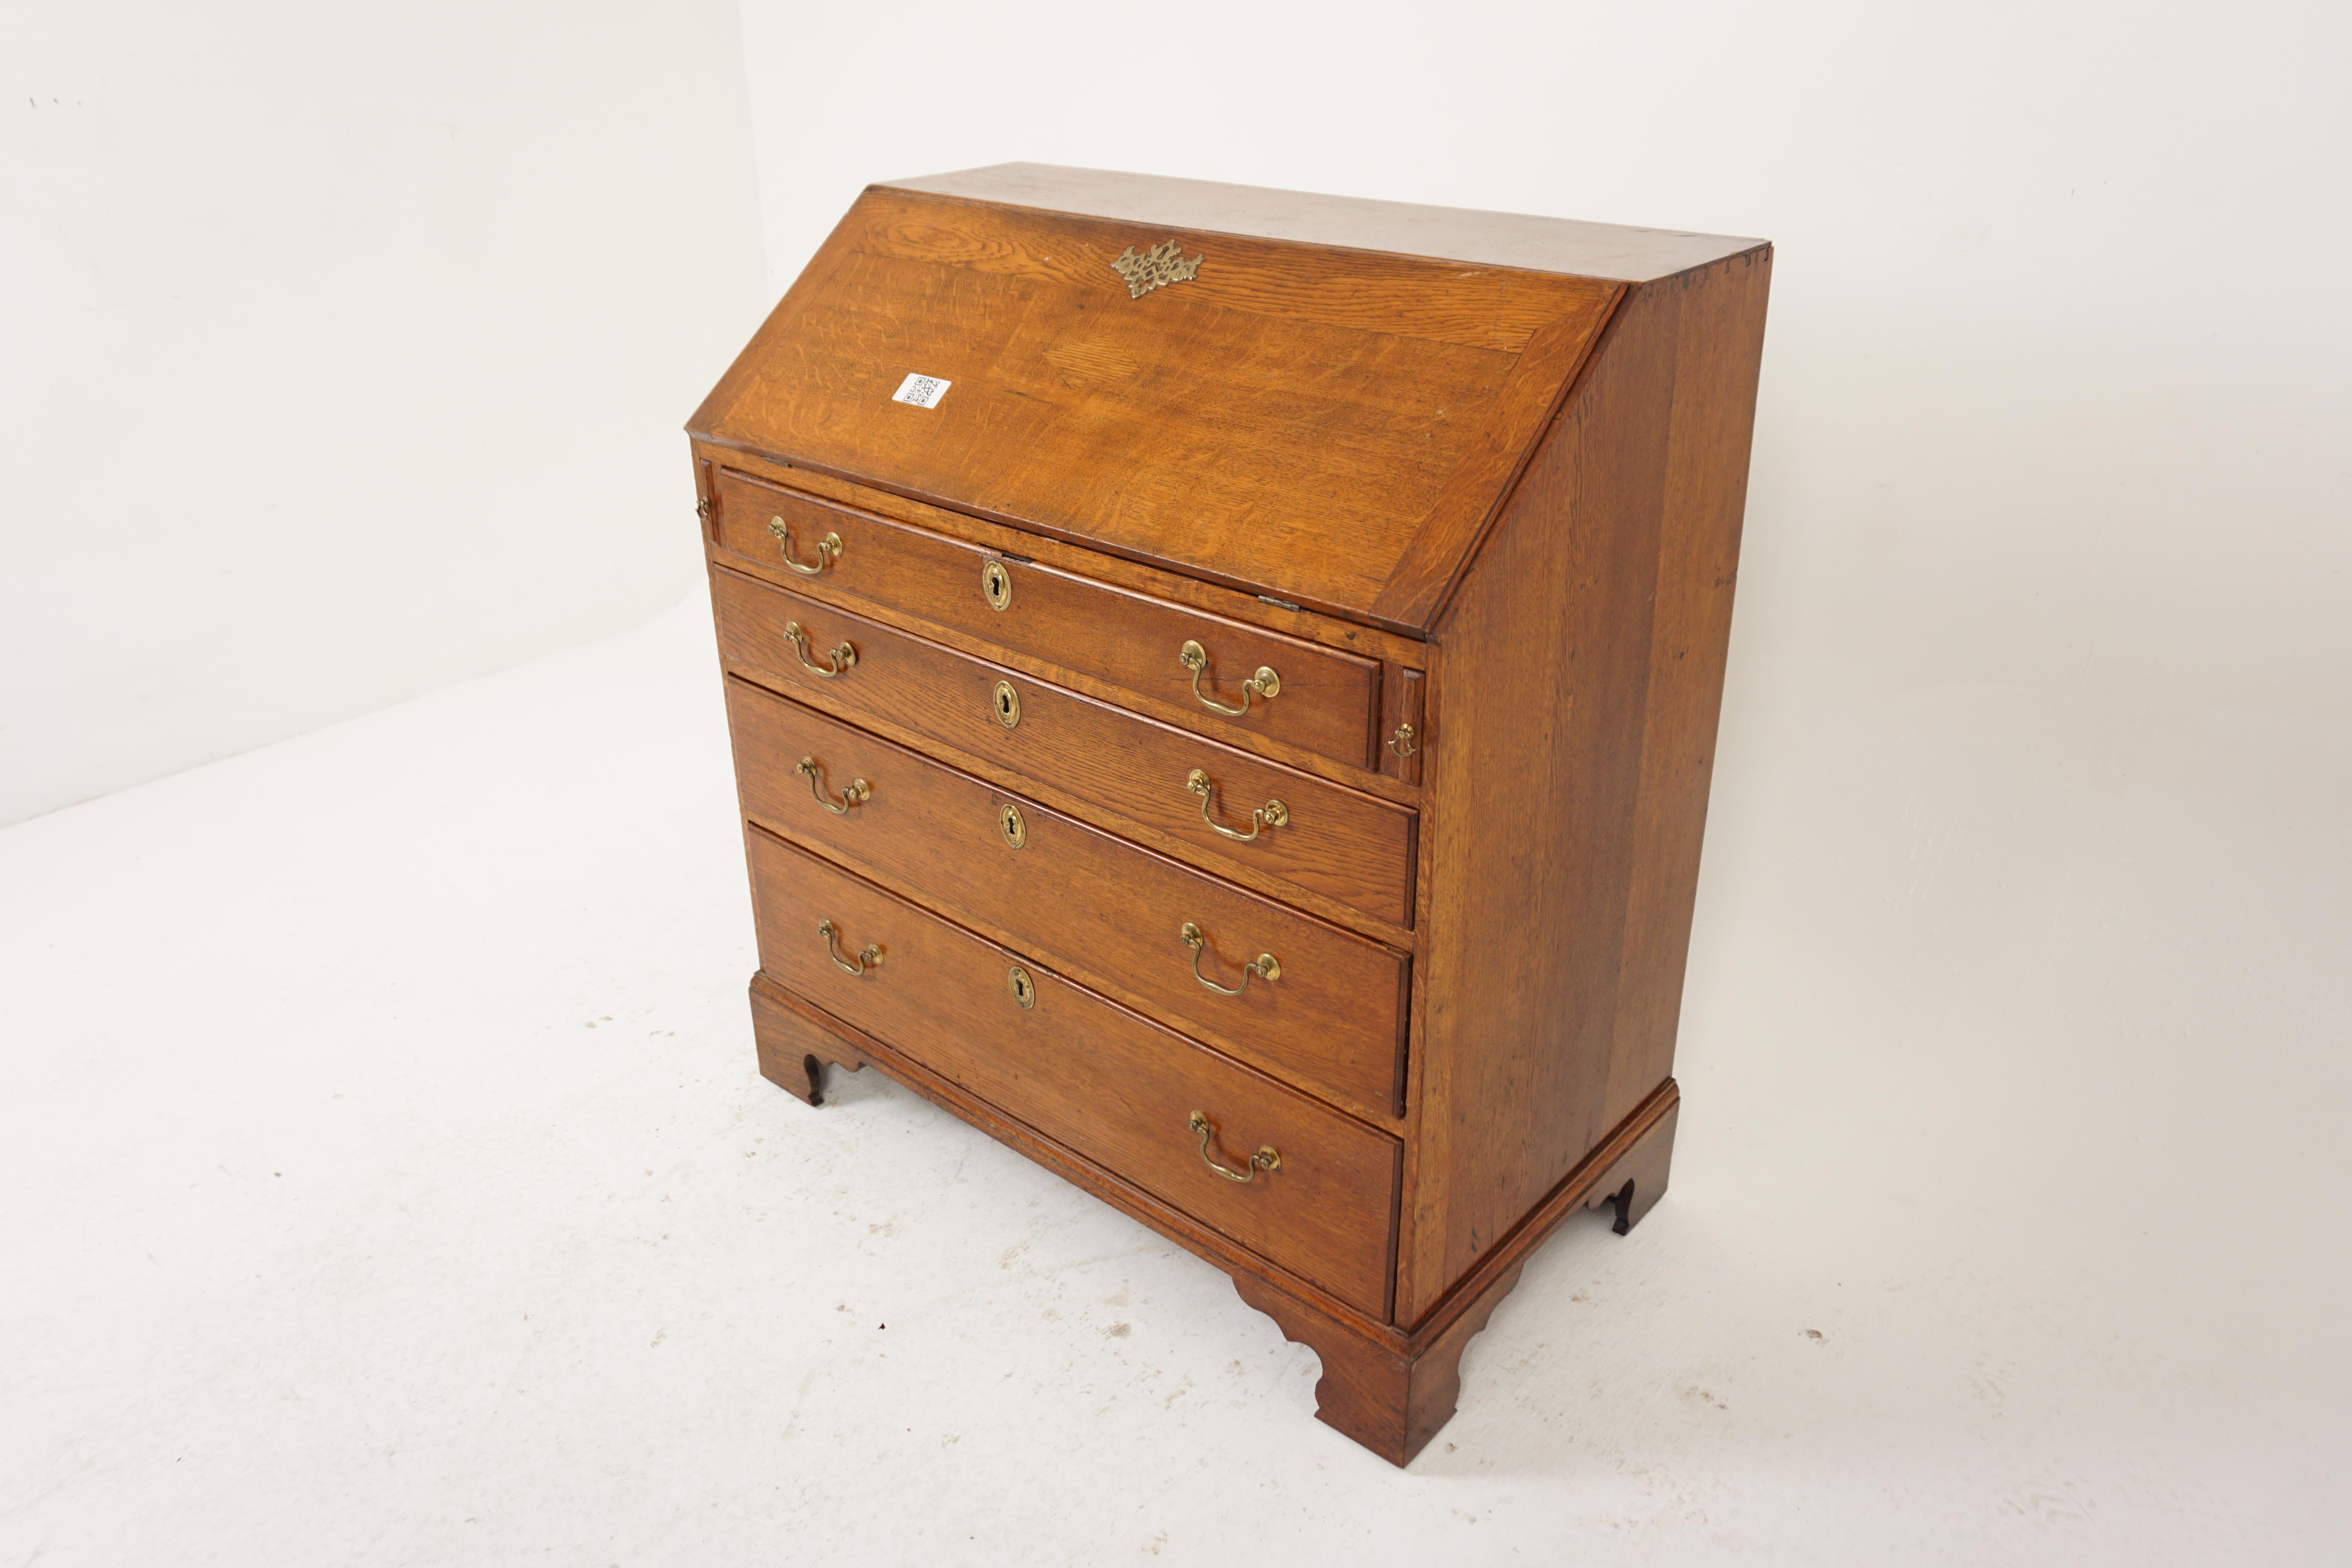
point(922, 391)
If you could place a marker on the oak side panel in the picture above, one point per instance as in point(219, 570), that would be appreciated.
point(1537, 766)
point(1717, 356)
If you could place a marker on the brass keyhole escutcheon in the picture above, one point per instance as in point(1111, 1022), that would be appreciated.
point(1008, 704)
point(1014, 831)
point(1023, 989)
point(997, 583)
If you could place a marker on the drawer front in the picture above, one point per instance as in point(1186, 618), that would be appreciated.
point(1328, 1009)
point(1351, 847)
point(1324, 701)
point(1093, 1076)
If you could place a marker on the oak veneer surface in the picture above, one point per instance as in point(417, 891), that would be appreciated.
point(1353, 847)
point(1604, 251)
point(1295, 419)
point(1504, 456)
point(1103, 1081)
point(1127, 639)
point(1081, 899)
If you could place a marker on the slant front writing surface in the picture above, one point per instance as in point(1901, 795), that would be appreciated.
point(1291, 418)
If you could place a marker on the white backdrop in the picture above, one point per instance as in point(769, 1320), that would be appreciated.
point(343, 351)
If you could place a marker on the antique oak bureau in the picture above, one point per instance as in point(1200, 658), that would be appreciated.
point(1222, 686)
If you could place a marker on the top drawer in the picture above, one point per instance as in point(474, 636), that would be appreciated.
point(1240, 680)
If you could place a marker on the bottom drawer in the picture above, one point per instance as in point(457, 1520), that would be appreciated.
point(1122, 1091)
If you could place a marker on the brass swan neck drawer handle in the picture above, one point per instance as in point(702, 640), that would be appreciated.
point(1263, 966)
point(840, 659)
point(871, 958)
point(1266, 683)
point(1272, 813)
point(1266, 1159)
point(858, 789)
point(828, 549)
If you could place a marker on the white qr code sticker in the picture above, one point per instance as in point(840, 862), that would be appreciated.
point(922, 391)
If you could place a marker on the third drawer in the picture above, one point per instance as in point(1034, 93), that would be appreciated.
point(1115, 916)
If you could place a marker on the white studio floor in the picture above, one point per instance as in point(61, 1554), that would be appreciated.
point(388, 1181)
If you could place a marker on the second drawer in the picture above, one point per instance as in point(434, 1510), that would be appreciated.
point(1250, 976)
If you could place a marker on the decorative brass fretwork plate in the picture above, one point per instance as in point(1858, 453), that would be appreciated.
point(1164, 263)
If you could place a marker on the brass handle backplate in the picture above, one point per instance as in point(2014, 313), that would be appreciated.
point(1266, 683)
point(1263, 966)
point(836, 662)
point(828, 549)
point(858, 790)
point(1272, 813)
point(871, 958)
point(1266, 1159)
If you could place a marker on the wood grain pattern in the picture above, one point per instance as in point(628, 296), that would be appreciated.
point(1405, 724)
point(1528, 862)
point(1442, 301)
point(1234, 430)
point(1380, 1394)
point(1717, 351)
point(1202, 1241)
point(1352, 223)
point(792, 1052)
point(1353, 847)
point(1329, 701)
point(1107, 1083)
point(1100, 910)
point(1384, 1388)
point(1532, 851)
point(1475, 473)
point(1153, 583)
point(1393, 1392)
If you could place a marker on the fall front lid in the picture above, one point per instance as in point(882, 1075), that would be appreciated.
point(1329, 426)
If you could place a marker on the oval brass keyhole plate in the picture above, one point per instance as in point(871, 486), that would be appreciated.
point(1007, 704)
point(1023, 989)
point(997, 583)
point(1009, 824)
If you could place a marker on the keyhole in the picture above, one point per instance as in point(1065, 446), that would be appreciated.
point(1008, 704)
point(1023, 989)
